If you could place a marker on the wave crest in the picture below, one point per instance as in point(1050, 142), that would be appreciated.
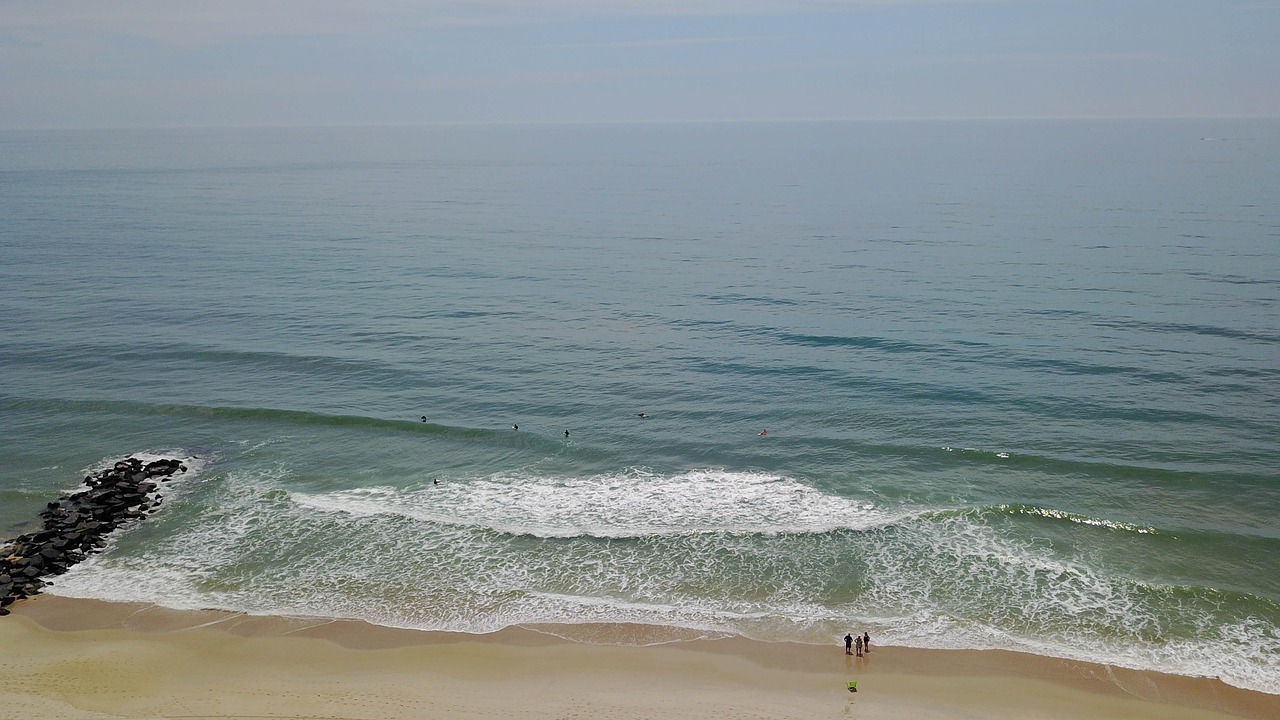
point(630, 504)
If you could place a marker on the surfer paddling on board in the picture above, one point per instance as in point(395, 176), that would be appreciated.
point(763, 432)
point(641, 415)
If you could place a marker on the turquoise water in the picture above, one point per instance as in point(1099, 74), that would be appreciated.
point(1020, 379)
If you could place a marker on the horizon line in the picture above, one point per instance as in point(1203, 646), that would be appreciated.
point(731, 121)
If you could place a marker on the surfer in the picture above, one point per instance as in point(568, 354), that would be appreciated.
point(566, 433)
point(515, 427)
point(641, 415)
point(424, 418)
point(763, 432)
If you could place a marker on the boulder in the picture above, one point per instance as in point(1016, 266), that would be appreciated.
point(77, 523)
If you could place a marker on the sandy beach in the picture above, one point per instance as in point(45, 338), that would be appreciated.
point(77, 659)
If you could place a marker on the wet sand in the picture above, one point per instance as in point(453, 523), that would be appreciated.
point(64, 658)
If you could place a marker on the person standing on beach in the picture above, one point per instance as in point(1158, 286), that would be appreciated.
point(858, 645)
point(848, 644)
point(866, 641)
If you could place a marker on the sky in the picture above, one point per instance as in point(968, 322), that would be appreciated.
point(165, 63)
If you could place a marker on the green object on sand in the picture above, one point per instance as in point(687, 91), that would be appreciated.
point(853, 686)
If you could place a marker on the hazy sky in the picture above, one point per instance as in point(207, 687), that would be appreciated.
point(114, 63)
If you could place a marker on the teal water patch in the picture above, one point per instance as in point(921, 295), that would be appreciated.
point(479, 553)
point(1017, 393)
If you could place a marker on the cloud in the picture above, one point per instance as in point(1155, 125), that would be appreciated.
point(199, 23)
point(656, 42)
point(153, 62)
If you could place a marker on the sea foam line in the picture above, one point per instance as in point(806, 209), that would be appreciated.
point(932, 579)
point(635, 503)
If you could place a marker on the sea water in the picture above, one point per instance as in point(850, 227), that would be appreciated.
point(1020, 380)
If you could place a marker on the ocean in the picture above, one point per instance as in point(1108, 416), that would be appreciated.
point(1020, 379)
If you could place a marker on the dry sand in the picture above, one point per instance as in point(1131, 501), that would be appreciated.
point(80, 659)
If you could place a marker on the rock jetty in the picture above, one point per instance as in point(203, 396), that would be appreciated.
point(76, 525)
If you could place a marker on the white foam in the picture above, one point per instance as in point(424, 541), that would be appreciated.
point(712, 551)
point(193, 463)
point(636, 503)
point(962, 585)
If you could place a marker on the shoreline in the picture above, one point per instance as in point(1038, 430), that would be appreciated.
point(78, 658)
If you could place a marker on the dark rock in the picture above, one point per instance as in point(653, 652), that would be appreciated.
point(77, 524)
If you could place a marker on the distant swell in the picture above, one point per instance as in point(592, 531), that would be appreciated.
point(1033, 511)
point(268, 415)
